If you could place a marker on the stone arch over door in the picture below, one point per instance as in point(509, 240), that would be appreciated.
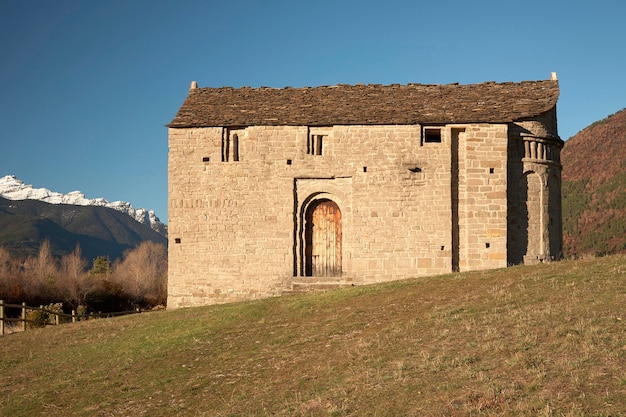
point(310, 195)
point(322, 239)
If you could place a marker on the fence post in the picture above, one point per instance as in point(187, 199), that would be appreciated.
point(24, 316)
point(1, 317)
point(73, 316)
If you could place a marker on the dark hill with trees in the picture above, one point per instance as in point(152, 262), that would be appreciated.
point(100, 231)
point(594, 188)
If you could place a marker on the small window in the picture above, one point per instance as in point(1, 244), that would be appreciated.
point(235, 147)
point(230, 146)
point(432, 135)
point(315, 144)
point(319, 142)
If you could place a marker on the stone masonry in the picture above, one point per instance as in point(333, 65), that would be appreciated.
point(273, 189)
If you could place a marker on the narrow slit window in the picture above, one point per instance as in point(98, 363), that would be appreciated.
point(315, 144)
point(225, 147)
point(319, 142)
point(235, 147)
point(230, 146)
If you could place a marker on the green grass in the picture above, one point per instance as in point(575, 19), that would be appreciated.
point(546, 340)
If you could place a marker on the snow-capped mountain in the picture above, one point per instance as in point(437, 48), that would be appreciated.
point(14, 189)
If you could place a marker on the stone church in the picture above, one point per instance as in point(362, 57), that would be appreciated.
point(274, 190)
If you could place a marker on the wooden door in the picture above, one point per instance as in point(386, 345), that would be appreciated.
point(323, 239)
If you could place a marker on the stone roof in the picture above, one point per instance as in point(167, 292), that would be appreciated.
point(371, 104)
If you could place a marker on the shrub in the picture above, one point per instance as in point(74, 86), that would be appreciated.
point(45, 315)
point(36, 318)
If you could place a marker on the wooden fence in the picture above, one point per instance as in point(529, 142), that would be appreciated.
point(58, 317)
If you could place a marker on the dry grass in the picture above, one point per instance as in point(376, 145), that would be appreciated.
point(10, 328)
point(547, 340)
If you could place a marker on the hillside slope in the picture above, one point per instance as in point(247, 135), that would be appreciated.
point(100, 231)
point(543, 340)
point(594, 188)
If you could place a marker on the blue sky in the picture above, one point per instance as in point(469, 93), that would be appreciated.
point(86, 87)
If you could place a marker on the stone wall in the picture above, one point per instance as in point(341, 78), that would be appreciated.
point(482, 196)
point(414, 200)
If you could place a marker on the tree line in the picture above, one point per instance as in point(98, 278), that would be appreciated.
point(137, 280)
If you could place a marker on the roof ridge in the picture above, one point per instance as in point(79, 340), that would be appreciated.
point(378, 85)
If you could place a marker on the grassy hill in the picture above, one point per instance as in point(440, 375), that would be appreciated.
point(594, 188)
point(544, 340)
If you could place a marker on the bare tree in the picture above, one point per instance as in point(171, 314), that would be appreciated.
point(14, 283)
point(6, 278)
point(45, 265)
point(73, 282)
point(41, 273)
point(142, 273)
point(5, 263)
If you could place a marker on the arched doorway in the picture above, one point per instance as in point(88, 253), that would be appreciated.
point(323, 239)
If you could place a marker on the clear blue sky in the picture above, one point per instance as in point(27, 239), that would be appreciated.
point(86, 87)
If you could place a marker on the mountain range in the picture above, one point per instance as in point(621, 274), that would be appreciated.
point(14, 189)
point(29, 215)
point(594, 188)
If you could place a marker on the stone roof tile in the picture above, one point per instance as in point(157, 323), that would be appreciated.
point(371, 104)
